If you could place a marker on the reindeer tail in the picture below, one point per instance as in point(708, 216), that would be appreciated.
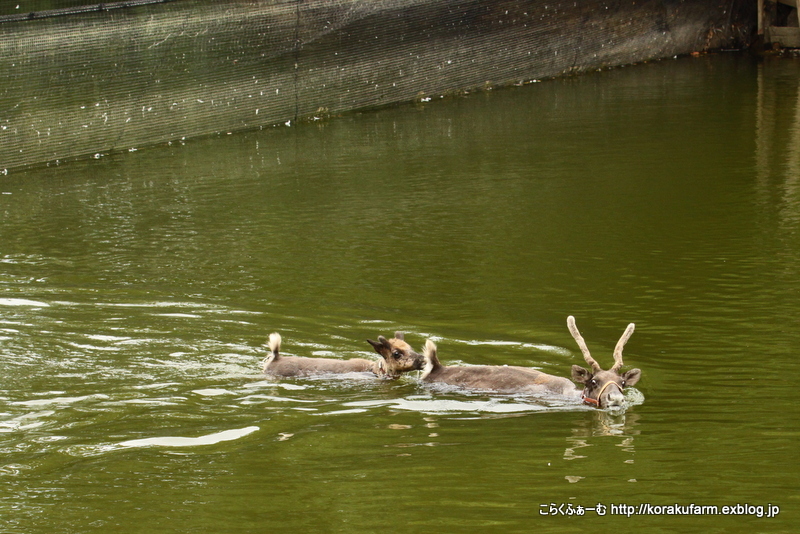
point(431, 359)
point(274, 349)
point(274, 343)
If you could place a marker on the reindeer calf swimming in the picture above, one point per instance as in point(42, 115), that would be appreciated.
point(391, 366)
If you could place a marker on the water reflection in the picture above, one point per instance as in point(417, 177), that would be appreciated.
point(778, 135)
point(607, 424)
point(591, 435)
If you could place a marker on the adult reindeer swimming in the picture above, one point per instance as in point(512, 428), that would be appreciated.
point(602, 389)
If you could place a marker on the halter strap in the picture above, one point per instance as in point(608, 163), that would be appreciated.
point(596, 402)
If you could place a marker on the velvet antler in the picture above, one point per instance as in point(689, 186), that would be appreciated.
point(620, 344)
point(573, 329)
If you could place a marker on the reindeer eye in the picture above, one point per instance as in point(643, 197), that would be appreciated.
point(397, 354)
point(593, 383)
point(623, 383)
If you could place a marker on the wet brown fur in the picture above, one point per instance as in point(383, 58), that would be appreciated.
point(278, 365)
point(497, 378)
point(397, 356)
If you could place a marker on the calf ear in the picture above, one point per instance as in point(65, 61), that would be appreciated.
point(375, 345)
point(400, 335)
point(632, 376)
point(581, 375)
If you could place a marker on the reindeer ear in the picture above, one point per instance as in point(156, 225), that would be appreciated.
point(632, 376)
point(581, 375)
point(400, 335)
point(381, 346)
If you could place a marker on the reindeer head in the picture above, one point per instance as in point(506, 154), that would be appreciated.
point(602, 388)
point(397, 356)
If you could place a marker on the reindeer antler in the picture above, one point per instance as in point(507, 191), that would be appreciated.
point(573, 329)
point(621, 343)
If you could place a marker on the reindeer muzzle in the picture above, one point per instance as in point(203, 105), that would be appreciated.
point(596, 402)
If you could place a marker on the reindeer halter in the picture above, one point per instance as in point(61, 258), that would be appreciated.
point(596, 402)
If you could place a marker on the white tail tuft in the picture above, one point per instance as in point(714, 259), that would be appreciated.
point(274, 348)
point(431, 359)
point(274, 343)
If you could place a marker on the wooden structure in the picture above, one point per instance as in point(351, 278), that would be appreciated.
point(779, 29)
point(96, 79)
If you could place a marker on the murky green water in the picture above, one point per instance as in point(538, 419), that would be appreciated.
point(136, 291)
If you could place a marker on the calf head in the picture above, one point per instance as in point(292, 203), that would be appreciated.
point(602, 388)
point(397, 356)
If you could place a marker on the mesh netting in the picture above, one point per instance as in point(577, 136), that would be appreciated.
point(82, 80)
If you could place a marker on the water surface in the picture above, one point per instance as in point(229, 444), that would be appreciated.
point(136, 292)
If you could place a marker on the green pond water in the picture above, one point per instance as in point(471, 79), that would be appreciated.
point(137, 291)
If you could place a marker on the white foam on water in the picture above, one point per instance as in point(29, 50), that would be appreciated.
point(211, 392)
point(180, 441)
point(23, 302)
point(340, 412)
point(60, 400)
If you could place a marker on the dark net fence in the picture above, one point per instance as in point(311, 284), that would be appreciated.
point(83, 80)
